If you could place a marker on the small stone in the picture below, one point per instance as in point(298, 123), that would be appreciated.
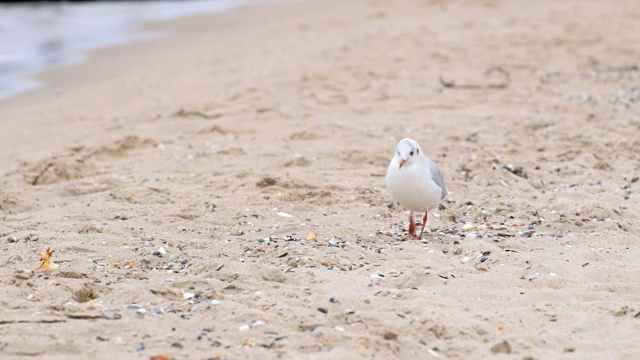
point(244, 327)
point(557, 233)
point(349, 312)
point(170, 280)
point(394, 273)
point(160, 252)
point(215, 302)
point(467, 227)
point(390, 335)
point(140, 346)
point(316, 332)
point(465, 259)
point(333, 299)
point(501, 347)
point(258, 323)
point(284, 214)
point(323, 310)
point(188, 295)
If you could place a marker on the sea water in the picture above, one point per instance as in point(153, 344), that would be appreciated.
point(42, 35)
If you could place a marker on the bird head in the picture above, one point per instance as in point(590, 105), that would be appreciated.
point(406, 151)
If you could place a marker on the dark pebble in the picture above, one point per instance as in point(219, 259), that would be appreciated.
point(216, 343)
point(100, 338)
point(526, 234)
point(177, 345)
point(139, 346)
point(323, 310)
point(333, 299)
point(184, 262)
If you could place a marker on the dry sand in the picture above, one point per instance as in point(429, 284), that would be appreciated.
point(194, 143)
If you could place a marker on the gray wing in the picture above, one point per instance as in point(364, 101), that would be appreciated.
point(437, 177)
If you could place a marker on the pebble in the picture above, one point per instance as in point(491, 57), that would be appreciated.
point(349, 312)
point(333, 299)
point(284, 214)
point(258, 323)
point(244, 327)
point(188, 295)
point(465, 260)
point(467, 226)
point(140, 346)
point(377, 276)
point(215, 302)
point(557, 233)
point(323, 310)
point(91, 265)
point(394, 273)
point(170, 280)
point(141, 312)
point(316, 332)
point(339, 328)
point(471, 235)
point(160, 252)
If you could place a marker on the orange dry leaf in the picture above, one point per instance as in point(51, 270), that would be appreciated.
point(311, 236)
point(127, 265)
point(47, 263)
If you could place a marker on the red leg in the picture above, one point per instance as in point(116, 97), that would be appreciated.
point(424, 223)
point(412, 225)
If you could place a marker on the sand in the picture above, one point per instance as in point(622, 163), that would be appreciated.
point(208, 193)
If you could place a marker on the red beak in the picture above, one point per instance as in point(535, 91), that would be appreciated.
point(402, 161)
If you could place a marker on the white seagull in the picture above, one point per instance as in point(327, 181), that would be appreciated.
point(415, 181)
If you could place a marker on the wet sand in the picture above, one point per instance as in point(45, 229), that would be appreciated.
point(206, 195)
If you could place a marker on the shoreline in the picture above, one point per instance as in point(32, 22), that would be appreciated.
point(105, 69)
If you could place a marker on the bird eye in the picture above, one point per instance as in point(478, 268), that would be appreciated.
point(411, 153)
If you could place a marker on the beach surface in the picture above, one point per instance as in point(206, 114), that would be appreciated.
point(219, 193)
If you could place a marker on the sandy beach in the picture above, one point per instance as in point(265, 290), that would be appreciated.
point(219, 193)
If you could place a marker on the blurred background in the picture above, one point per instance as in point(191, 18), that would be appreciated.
point(39, 35)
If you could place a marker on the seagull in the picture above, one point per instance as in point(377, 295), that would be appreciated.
point(415, 181)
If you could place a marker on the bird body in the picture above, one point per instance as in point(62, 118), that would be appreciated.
point(414, 180)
